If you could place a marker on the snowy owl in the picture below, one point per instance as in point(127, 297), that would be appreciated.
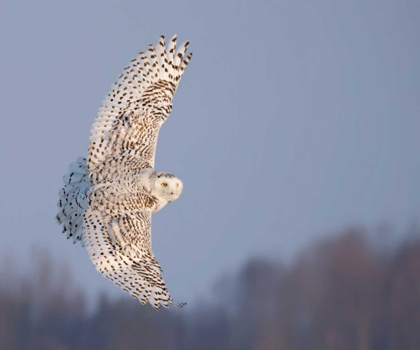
point(108, 199)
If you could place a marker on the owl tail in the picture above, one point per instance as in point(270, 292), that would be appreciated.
point(74, 199)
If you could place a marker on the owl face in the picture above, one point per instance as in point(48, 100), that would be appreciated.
point(167, 186)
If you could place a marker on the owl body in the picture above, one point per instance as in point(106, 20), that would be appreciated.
point(147, 190)
point(108, 199)
point(158, 188)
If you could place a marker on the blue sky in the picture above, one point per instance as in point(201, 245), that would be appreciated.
point(294, 119)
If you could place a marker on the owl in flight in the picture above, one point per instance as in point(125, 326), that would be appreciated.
point(108, 199)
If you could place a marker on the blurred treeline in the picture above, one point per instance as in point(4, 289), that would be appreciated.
point(348, 291)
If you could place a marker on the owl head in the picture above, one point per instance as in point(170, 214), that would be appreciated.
point(166, 186)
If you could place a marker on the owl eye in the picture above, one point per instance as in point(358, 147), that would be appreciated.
point(177, 185)
point(164, 184)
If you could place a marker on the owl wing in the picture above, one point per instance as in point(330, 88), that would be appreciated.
point(126, 129)
point(120, 247)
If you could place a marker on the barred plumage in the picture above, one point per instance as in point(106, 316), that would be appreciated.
point(108, 200)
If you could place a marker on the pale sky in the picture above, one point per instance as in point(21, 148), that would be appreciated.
point(294, 119)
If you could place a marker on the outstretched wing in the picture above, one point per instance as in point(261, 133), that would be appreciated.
point(124, 134)
point(120, 248)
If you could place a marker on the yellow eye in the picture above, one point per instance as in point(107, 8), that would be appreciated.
point(177, 185)
point(164, 184)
